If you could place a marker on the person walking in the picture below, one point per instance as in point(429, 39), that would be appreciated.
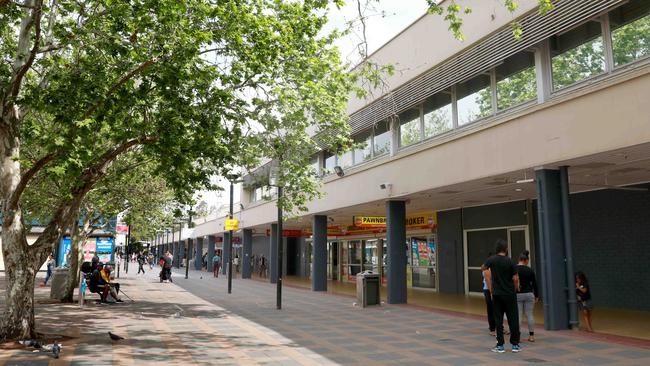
point(583, 295)
point(489, 306)
point(140, 262)
point(527, 296)
point(235, 262)
point(50, 268)
point(502, 280)
point(263, 267)
point(216, 262)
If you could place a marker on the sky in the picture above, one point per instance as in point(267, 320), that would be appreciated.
point(384, 20)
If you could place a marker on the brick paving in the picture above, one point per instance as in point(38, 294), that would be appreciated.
point(313, 328)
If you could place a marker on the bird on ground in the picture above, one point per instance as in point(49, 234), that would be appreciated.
point(115, 337)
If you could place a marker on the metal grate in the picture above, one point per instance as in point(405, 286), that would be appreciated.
point(484, 55)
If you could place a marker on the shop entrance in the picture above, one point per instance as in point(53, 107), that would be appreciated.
point(333, 260)
point(293, 256)
point(479, 244)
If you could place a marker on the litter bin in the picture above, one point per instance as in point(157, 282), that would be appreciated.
point(59, 276)
point(368, 288)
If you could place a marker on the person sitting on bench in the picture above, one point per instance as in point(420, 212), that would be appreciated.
point(112, 288)
point(95, 284)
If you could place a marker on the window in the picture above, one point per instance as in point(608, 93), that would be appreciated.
point(474, 99)
point(329, 163)
point(363, 149)
point(630, 26)
point(437, 114)
point(577, 55)
point(314, 164)
point(345, 159)
point(410, 128)
point(516, 81)
point(381, 139)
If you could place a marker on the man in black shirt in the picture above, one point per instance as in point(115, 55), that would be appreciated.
point(502, 280)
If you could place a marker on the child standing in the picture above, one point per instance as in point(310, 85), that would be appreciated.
point(583, 295)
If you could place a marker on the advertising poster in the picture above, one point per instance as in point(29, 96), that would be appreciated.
point(104, 248)
point(64, 249)
point(89, 249)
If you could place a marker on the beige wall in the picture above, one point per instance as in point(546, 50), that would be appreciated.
point(612, 116)
point(411, 57)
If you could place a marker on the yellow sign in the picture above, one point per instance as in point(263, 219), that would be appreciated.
point(232, 225)
point(417, 221)
point(369, 221)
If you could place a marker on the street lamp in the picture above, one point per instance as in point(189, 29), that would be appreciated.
point(233, 179)
point(275, 180)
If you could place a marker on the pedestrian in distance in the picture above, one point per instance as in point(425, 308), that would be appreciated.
point(527, 295)
point(50, 269)
point(216, 263)
point(489, 306)
point(502, 281)
point(235, 262)
point(141, 260)
point(583, 295)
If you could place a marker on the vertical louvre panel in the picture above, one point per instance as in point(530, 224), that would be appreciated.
point(481, 57)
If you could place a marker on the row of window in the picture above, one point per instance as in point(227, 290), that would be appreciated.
point(593, 48)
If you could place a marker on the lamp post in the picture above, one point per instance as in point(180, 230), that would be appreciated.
point(275, 180)
point(233, 180)
point(187, 251)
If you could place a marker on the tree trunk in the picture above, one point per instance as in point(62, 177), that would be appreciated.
point(20, 275)
point(78, 237)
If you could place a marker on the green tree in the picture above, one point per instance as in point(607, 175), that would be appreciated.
point(84, 83)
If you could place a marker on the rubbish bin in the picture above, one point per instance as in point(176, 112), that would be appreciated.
point(368, 288)
point(57, 289)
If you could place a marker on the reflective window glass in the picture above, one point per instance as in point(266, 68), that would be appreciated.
point(410, 129)
point(516, 81)
point(630, 25)
point(363, 148)
point(577, 55)
point(381, 138)
point(474, 99)
point(437, 114)
point(330, 162)
point(344, 160)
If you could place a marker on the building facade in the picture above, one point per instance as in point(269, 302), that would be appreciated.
point(542, 141)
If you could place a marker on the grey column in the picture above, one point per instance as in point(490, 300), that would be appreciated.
point(396, 247)
point(226, 253)
point(552, 250)
point(198, 259)
point(319, 263)
point(211, 240)
point(247, 248)
point(273, 255)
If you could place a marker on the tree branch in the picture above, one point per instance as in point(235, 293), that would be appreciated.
point(27, 177)
point(143, 66)
point(21, 67)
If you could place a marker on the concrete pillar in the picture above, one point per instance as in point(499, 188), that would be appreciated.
point(211, 240)
point(273, 255)
point(396, 256)
point(198, 259)
point(247, 252)
point(226, 252)
point(319, 263)
point(552, 249)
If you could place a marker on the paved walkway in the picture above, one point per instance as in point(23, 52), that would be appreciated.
point(165, 325)
point(195, 321)
point(334, 327)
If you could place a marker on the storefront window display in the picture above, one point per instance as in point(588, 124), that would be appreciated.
point(423, 261)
